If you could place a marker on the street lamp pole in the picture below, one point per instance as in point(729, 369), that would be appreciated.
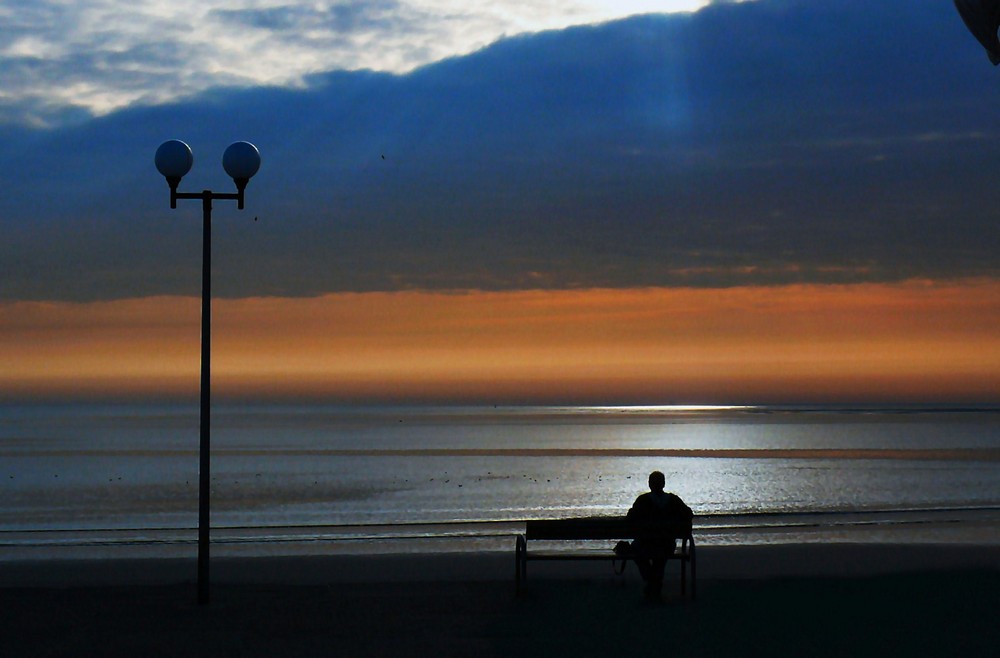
point(241, 161)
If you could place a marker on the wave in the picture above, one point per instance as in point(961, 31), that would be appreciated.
point(918, 454)
point(713, 528)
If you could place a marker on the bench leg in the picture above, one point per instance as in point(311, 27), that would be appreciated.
point(520, 564)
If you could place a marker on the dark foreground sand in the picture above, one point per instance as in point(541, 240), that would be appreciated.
point(843, 600)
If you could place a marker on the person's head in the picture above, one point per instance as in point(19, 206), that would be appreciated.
point(657, 481)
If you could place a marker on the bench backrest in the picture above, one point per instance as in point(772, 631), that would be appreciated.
point(604, 528)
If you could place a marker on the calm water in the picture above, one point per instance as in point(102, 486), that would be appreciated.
point(95, 479)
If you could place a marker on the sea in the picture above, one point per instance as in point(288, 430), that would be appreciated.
point(122, 480)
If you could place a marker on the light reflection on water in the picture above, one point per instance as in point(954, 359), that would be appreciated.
point(91, 468)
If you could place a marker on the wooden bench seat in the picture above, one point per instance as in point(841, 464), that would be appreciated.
point(600, 528)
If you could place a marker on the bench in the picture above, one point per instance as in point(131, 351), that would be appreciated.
point(599, 528)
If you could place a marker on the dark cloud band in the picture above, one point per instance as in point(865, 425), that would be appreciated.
point(768, 142)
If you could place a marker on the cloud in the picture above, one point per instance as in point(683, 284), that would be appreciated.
point(766, 143)
point(98, 56)
point(343, 19)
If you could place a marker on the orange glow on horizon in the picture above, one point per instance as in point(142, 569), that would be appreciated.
point(914, 341)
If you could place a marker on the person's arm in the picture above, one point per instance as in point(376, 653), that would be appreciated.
point(680, 509)
point(635, 512)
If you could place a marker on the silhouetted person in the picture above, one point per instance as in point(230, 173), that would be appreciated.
point(982, 17)
point(650, 553)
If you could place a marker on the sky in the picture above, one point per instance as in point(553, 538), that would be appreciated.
point(524, 201)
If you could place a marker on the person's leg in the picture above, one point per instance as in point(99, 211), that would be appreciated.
point(645, 566)
point(657, 567)
point(982, 17)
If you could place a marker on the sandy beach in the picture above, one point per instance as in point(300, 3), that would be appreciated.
point(828, 600)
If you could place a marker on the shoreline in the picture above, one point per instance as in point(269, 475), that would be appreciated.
point(958, 526)
point(818, 600)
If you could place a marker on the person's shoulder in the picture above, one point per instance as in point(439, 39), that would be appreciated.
point(676, 503)
point(646, 499)
point(640, 505)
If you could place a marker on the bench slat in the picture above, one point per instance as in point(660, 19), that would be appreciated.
point(607, 554)
point(602, 528)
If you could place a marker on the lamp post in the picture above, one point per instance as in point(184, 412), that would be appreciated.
point(241, 161)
